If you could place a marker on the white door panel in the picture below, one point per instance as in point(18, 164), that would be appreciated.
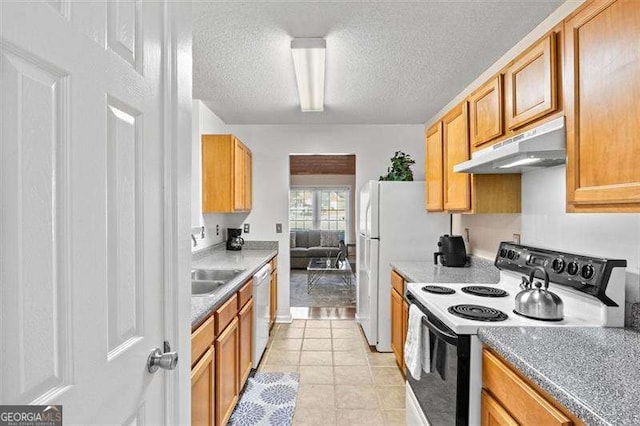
point(83, 201)
point(367, 290)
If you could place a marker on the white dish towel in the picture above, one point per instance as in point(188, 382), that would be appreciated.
point(416, 347)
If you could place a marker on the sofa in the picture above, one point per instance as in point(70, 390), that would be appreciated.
point(305, 244)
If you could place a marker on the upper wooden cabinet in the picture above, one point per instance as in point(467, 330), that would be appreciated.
point(485, 112)
point(226, 175)
point(456, 150)
point(602, 89)
point(531, 84)
point(433, 167)
point(462, 192)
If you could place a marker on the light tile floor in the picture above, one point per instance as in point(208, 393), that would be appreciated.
point(341, 381)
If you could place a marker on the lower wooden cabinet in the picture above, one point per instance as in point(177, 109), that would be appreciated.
point(493, 414)
point(509, 399)
point(227, 372)
point(203, 390)
point(273, 298)
point(399, 319)
point(245, 325)
point(405, 328)
point(397, 327)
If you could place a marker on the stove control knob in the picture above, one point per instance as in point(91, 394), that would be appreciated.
point(587, 272)
point(511, 254)
point(503, 252)
point(572, 268)
point(558, 265)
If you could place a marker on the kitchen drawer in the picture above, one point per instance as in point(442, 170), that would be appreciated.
point(526, 405)
point(226, 313)
point(202, 339)
point(274, 263)
point(245, 293)
point(397, 282)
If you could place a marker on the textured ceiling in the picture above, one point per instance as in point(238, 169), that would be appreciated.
point(387, 62)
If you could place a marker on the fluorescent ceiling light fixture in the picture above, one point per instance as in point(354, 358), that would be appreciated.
point(521, 162)
point(309, 63)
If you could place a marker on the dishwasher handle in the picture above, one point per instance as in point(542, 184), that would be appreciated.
point(262, 274)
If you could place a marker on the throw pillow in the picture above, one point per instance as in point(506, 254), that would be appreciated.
point(292, 239)
point(329, 239)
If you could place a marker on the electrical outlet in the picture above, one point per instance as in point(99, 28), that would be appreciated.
point(217, 229)
point(278, 228)
point(466, 234)
point(246, 228)
point(516, 238)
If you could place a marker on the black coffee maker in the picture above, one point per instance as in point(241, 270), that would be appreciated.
point(452, 251)
point(234, 240)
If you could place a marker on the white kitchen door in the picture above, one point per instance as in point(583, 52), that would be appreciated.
point(94, 100)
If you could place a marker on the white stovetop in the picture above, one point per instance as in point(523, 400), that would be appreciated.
point(579, 309)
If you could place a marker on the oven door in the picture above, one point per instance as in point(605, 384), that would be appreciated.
point(443, 393)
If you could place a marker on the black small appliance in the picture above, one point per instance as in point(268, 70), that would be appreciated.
point(452, 251)
point(234, 240)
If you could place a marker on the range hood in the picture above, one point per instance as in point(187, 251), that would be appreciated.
point(543, 146)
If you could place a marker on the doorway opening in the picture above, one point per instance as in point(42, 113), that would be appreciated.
point(322, 230)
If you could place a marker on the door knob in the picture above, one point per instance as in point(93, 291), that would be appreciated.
point(166, 360)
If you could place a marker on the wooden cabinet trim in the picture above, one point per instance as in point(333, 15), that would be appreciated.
point(520, 399)
point(434, 162)
point(201, 339)
point(491, 92)
point(545, 49)
point(226, 313)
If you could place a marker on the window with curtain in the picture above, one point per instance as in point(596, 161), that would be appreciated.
point(319, 208)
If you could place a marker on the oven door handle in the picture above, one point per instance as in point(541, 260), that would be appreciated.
point(447, 337)
point(451, 339)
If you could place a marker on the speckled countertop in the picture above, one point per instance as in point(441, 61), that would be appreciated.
point(248, 259)
point(478, 271)
point(594, 372)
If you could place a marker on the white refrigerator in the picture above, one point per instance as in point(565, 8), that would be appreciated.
point(393, 225)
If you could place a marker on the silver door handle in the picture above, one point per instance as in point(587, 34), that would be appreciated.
point(166, 360)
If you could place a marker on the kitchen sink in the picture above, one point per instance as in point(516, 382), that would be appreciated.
point(202, 288)
point(206, 281)
point(215, 274)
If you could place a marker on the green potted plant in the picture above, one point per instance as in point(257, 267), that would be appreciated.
point(400, 169)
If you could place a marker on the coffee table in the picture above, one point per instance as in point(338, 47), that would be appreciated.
point(321, 266)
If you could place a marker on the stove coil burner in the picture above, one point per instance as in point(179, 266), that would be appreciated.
point(484, 291)
point(436, 289)
point(478, 313)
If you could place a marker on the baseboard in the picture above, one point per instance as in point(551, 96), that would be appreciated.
point(284, 319)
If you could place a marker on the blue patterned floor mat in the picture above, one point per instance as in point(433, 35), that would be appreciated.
point(269, 399)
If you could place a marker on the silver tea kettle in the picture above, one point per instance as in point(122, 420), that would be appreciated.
point(538, 303)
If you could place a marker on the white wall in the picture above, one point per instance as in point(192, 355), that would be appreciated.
point(486, 231)
point(373, 146)
point(204, 121)
point(545, 224)
point(334, 180)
